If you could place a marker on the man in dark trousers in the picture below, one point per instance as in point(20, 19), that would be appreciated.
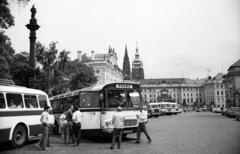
point(76, 132)
point(142, 118)
point(69, 114)
point(118, 125)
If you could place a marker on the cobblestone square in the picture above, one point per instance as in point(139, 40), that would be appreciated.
point(185, 133)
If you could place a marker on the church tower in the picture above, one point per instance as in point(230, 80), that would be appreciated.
point(137, 67)
point(126, 66)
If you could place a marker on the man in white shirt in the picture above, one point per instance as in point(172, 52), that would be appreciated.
point(76, 118)
point(42, 144)
point(142, 118)
point(118, 125)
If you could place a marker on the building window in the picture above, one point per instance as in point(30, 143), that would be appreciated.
point(97, 71)
point(221, 92)
point(217, 92)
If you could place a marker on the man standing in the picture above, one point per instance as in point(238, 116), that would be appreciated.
point(142, 118)
point(42, 144)
point(118, 124)
point(69, 122)
point(76, 118)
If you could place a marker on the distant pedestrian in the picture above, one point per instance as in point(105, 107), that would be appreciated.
point(118, 125)
point(142, 118)
point(42, 144)
point(63, 126)
point(69, 114)
point(76, 132)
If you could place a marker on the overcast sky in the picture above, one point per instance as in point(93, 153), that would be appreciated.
point(176, 38)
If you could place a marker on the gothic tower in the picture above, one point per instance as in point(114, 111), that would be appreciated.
point(137, 67)
point(126, 66)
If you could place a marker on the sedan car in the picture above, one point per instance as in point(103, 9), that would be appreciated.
point(217, 110)
point(231, 112)
point(238, 114)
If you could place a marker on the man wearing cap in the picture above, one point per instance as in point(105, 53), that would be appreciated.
point(142, 118)
point(118, 124)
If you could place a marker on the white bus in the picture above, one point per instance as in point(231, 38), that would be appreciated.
point(154, 110)
point(166, 107)
point(20, 111)
point(97, 110)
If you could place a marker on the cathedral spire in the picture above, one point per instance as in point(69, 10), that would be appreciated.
point(126, 65)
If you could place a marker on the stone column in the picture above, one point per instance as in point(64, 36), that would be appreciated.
point(32, 26)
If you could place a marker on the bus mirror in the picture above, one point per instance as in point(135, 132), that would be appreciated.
point(101, 96)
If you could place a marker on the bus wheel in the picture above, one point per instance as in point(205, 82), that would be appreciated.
point(56, 128)
point(19, 137)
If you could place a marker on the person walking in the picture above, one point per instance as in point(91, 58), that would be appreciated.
point(142, 118)
point(42, 144)
point(118, 125)
point(69, 114)
point(76, 118)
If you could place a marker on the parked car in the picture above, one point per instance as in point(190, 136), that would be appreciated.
point(203, 109)
point(231, 112)
point(216, 110)
point(224, 111)
point(199, 110)
point(238, 114)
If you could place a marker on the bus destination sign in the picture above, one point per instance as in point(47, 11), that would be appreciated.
point(124, 86)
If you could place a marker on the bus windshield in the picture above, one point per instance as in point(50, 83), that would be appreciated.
point(123, 98)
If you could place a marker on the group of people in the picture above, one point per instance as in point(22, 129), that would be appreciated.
point(13, 105)
point(118, 124)
point(70, 126)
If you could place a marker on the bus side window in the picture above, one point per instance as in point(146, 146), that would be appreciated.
point(42, 100)
point(30, 101)
point(89, 99)
point(14, 101)
point(2, 102)
point(74, 100)
point(54, 105)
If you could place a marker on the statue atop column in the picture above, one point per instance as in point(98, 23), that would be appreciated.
point(32, 26)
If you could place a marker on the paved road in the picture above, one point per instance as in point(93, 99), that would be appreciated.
point(185, 133)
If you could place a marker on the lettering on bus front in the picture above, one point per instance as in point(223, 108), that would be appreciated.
point(124, 86)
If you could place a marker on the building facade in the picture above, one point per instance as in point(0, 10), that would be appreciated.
point(137, 67)
point(184, 91)
point(104, 65)
point(232, 83)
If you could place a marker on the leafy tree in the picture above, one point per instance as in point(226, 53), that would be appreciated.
point(47, 58)
point(80, 75)
point(6, 18)
point(6, 53)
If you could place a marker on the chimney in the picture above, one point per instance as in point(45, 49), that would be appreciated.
point(79, 54)
point(92, 55)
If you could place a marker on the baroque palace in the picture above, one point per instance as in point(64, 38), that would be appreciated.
point(185, 91)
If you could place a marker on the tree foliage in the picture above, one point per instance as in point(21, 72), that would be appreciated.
point(81, 75)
